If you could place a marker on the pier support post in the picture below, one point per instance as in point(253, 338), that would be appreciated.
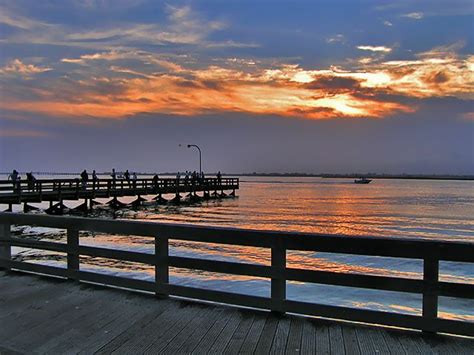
point(278, 283)
point(161, 266)
point(72, 253)
point(5, 247)
point(430, 294)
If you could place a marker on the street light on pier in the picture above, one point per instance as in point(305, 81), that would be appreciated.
point(199, 150)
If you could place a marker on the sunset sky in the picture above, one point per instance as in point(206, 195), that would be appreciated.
point(268, 86)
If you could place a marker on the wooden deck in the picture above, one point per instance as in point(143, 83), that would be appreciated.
point(43, 315)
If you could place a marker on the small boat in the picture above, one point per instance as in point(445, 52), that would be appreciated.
point(362, 181)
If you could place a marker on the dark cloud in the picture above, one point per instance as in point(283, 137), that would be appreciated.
point(334, 84)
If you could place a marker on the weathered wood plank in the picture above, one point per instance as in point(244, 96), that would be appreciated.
point(281, 337)
point(268, 333)
point(37, 312)
point(253, 336)
point(200, 332)
point(182, 320)
point(137, 337)
point(91, 343)
point(203, 316)
point(414, 344)
point(132, 330)
point(351, 344)
point(47, 323)
point(294, 338)
point(236, 342)
point(224, 337)
point(208, 340)
point(371, 341)
point(322, 342)
point(394, 345)
point(336, 339)
point(308, 338)
point(77, 335)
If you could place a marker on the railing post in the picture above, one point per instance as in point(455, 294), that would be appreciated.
point(5, 247)
point(161, 266)
point(72, 253)
point(430, 291)
point(278, 286)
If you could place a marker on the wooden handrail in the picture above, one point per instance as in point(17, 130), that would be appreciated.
point(430, 252)
point(74, 185)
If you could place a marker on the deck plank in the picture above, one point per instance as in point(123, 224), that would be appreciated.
point(201, 318)
point(294, 338)
point(179, 321)
point(81, 332)
point(336, 339)
point(253, 336)
point(224, 337)
point(208, 340)
point(394, 345)
point(266, 339)
point(308, 338)
point(199, 332)
point(351, 345)
point(281, 336)
point(235, 343)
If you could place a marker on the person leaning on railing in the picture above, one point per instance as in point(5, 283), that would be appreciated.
point(15, 178)
point(31, 181)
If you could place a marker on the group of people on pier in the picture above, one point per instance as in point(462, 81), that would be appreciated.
point(16, 179)
point(189, 178)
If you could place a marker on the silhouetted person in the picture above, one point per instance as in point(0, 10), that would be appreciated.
point(94, 176)
point(15, 178)
point(126, 175)
point(114, 178)
point(219, 177)
point(155, 181)
point(134, 179)
point(84, 178)
point(31, 181)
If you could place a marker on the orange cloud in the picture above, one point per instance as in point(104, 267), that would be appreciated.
point(244, 86)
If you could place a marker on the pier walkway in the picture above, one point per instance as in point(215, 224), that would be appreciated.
point(44, 315)
point(59, 190)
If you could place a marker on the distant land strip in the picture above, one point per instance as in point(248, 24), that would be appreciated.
point(295, 174)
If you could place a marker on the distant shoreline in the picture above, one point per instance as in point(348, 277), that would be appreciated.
point(325, 176)
point(370, 176)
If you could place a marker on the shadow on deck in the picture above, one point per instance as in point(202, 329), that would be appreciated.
point(45, 315)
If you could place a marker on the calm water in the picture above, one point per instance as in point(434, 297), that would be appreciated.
point(440, 210)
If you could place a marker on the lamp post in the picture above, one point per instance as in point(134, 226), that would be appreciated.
point(199, 150)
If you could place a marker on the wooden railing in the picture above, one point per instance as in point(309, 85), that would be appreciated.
point(73, 185)
point(430, 252)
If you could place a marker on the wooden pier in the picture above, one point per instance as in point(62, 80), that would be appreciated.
point(59, 190)
point(429, 286)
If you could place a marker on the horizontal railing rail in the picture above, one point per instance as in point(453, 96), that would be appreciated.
point(48, 185)
point(429, 286)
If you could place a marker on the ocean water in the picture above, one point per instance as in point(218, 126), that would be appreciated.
point(439, 210)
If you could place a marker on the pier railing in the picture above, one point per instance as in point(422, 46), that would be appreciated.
point(58, 189)
point(71, 185)
point(430, 252)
